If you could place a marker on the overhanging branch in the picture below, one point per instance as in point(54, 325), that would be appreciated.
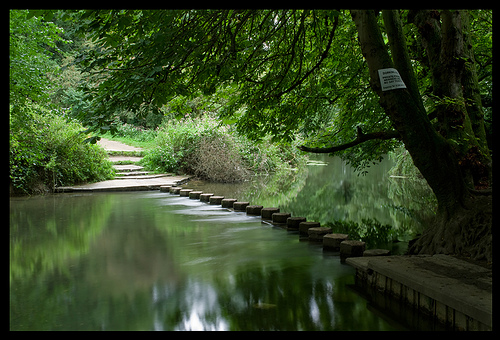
point(382, 135)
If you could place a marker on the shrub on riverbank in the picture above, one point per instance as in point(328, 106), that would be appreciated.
point(46, 150)
point(211, 151)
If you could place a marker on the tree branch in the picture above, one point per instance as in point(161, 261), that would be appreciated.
point(362, 137)
point(308, 73)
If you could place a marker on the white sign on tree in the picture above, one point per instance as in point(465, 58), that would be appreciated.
point(390, 79)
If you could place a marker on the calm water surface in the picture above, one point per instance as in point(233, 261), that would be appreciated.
point(154, 261)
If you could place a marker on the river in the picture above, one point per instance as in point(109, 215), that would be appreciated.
point(155, 261)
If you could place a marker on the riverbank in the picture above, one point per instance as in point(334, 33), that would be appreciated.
point(47, 150)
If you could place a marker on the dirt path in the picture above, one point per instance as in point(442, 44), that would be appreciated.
point(111, 145)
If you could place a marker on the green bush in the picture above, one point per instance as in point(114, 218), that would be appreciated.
point(46, 150)
point(212, 151)
point(176, 143)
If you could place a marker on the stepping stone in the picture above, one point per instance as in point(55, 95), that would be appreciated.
point(119, 158)
point(332, 241)
point(165, 188)
point(126, 184)
point(127, 167)
point(216, 200)
point(240, 206)
point(351, 248)
point(254, 210)
point(205, 197)
point(228, 202)
point(185, 192)
point(316, 234)
point(133, 173)
point(175, 190)
point(267, 213)
point(292, 223)
point(304, 227)
point(195, 195)
point(143, 176)
point(280, 218)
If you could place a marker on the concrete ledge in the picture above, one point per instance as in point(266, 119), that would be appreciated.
point(360, 263)
point(455, 285)
point(126, 184)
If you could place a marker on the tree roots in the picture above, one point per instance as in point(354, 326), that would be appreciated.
point(466, 233)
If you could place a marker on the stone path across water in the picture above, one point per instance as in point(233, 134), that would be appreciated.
point(129, 177)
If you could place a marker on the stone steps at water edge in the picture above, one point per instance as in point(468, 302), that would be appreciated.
point(128, 167)
point(129, 176)
point(144, 176)
point(120, 159)
point(132, 173)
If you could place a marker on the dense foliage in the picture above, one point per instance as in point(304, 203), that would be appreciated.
point(48, 151)
point(46, 147)
point(277, 72)
point(203, 147)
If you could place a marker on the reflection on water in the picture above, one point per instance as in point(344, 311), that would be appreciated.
point(329, 190)
point(141, 261)
point(154, 261)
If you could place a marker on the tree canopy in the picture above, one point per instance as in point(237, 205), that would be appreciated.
point(272, 71)
point(275, 72)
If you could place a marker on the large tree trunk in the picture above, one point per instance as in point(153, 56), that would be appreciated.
point(459, 109)
point(431, 153)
